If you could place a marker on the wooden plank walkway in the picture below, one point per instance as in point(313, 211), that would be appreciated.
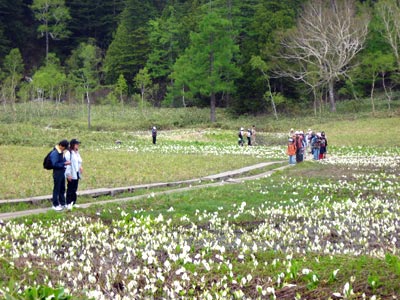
point(113, 191)
point(128, 189)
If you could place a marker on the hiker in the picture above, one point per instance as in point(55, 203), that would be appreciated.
point(59, 163)
point(73, 172)
point(323, 146)
point(291, 133)
point(315, 145)
point(291, 151)
point(248, 135)
point(253, 135)
point(299, 146)
point(307, 139)
point(154, 134)
point(240, 135)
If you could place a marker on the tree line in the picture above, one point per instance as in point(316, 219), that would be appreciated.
point(250, 56)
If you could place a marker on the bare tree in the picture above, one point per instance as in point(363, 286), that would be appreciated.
point(389, 13)
point(328, 36)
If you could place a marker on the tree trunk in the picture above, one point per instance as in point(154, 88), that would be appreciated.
point(388, 96)
point(332, 95)
point(212, 105)
point(272, 99)
point(183, 96)
point(372, 94)
point(47, 41)
point(315, 101)
point(88, 105)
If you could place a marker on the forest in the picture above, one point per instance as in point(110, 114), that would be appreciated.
point(249, 56)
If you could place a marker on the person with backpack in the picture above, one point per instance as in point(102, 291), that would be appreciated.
point(323, 146)
point(59, 164)
point(73, 172)
point(315, 145)
point(154, 134)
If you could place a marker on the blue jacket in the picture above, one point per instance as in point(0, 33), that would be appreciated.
point(57, 159)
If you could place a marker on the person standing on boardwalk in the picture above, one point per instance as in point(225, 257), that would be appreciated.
point(59, 163)
point(154, 134)
point(73, 172)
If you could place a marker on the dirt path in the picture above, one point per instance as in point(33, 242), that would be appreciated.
point(221, 178)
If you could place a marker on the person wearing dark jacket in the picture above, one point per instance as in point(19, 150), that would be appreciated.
point(154, 134)
point(59, 163)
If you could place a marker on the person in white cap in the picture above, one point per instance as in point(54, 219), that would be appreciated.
point(240, 135)
point(73, 173)
point(154, 134)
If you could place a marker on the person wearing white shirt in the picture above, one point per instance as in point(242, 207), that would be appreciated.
point(73, 173)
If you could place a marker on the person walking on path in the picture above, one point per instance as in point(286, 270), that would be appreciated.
point(154, 134)
point(73, 172)
point(59, 163)
point(291, 151)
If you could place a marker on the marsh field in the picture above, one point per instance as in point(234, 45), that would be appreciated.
point(319, 230)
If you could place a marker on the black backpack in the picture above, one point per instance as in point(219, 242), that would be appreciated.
point(47, 161)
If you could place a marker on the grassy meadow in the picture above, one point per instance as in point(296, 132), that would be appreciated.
point(318, 230)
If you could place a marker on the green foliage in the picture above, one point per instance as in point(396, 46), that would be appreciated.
point(142, 82)
point(93, 21)
point(53, 16)
point(13, 67)
point(83, 64)
point(121, 88)
point(34, 293)
point(50, 81)
point(128, 52)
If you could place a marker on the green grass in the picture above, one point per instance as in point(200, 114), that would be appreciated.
point(27, 136)
point(385, 273)
point(107, 169)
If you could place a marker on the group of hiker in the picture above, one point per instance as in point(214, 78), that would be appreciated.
point(300, 143)
point(66, 163)
point(250, 135)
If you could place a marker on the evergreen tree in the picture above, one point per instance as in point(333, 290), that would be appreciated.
point(128, 52)
point(210, 58)
point(16, 29)
point(93, 19)
point(261, 21)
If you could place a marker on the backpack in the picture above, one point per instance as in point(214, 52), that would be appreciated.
point(47, 161)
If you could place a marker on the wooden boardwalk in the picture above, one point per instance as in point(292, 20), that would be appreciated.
point(229, 177)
